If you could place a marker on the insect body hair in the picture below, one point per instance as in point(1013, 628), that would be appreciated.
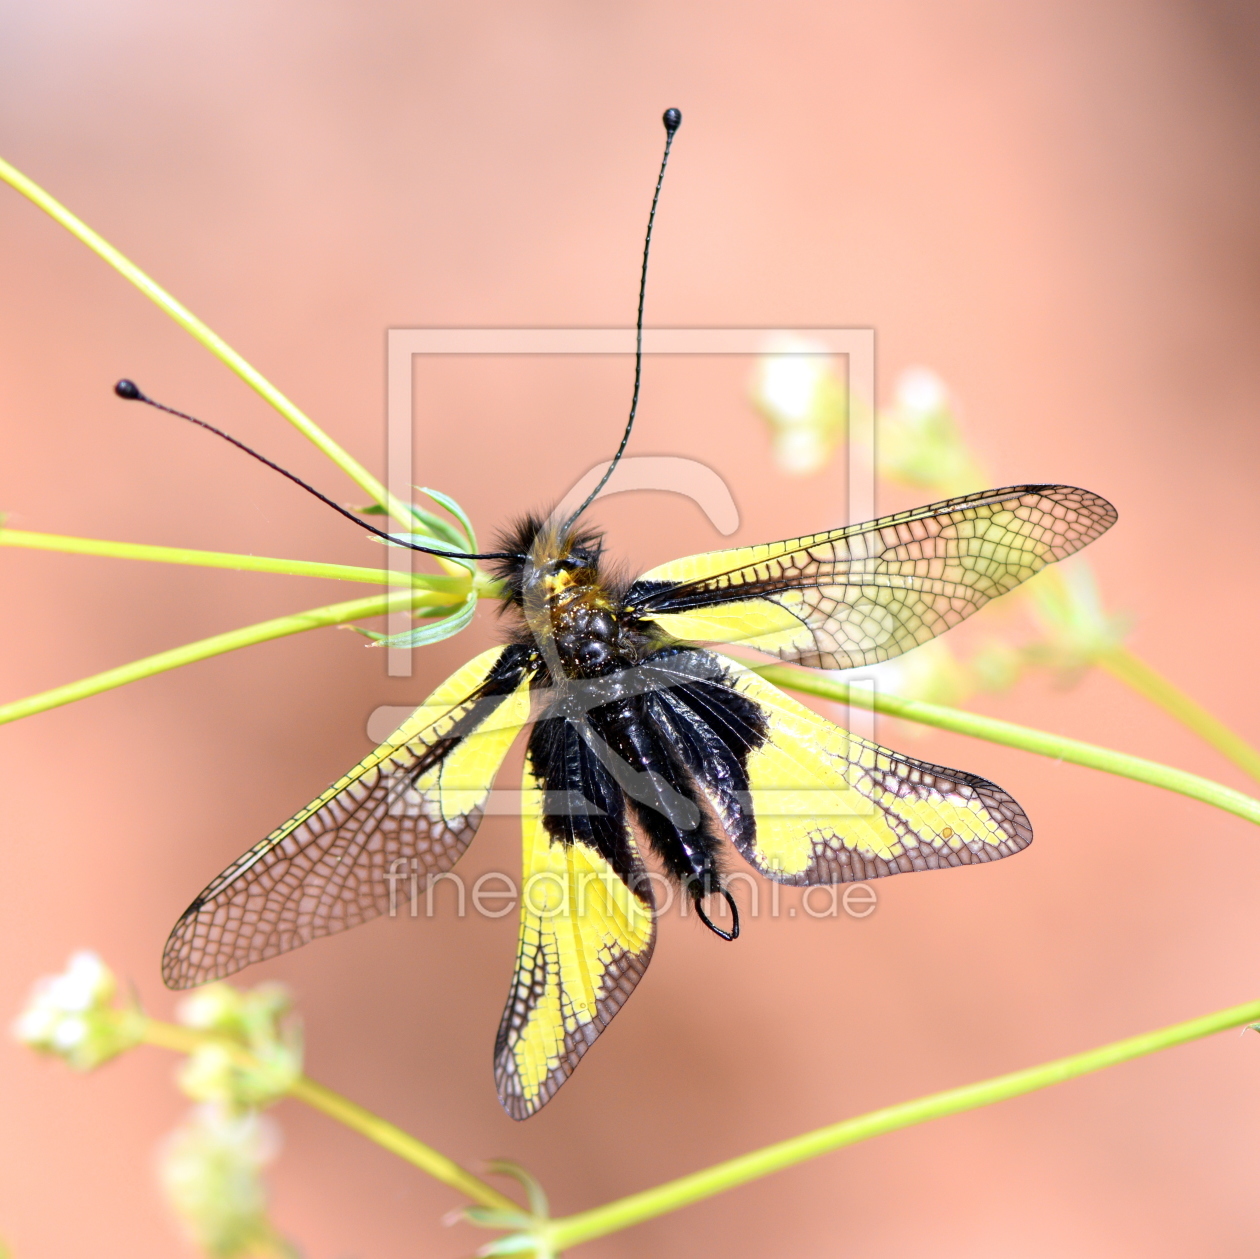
point(533, 542)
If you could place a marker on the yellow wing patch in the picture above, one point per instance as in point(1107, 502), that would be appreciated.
point(410, 807)
point(585, 941)
point(866, 593)
point(456, 786)
point(831, 807)
point(756, 561)
point(780, 625)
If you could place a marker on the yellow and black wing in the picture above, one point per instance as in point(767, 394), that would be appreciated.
point(821, 805)
point(416, 799)
point(868, 592)
point(585, 941)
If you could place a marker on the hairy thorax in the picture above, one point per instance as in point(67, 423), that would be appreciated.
point(574, 617)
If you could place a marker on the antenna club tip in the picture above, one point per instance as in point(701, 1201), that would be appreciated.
point(130, 390)
point(672, 118)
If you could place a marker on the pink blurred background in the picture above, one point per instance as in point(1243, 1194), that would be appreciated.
point(1054, 206)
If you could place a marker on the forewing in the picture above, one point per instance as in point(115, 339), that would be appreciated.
point(825, 806)
point(866, 593)
point(410, 807)
point(585, 941)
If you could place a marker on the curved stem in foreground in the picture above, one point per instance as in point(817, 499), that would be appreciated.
point(316, 618)
point(586, 1225)
point(1055, 746)
point(211, 340)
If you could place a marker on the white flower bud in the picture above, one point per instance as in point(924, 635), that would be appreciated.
point(797, 389)
point(72, 1015)
point(211, 1169)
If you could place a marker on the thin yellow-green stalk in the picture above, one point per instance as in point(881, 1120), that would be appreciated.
point(1121, 663)
point(225, 559)
point(394, 1139)
point(385, 1134)
point(636, 1208)
point(206, 337)
point(280, 627)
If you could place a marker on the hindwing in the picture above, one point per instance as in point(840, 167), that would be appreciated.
point(411, 806)
point(806, 802)
point(587, 918)
point(863, 594)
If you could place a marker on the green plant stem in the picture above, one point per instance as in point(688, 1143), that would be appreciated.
point(1055, 599)
point(394, 1139)
point(570, 1230)
point(316, 618)
point(1052, 745)
point(187, 1040)
point(225, 559)
point(1121, 663)
point(211, 340)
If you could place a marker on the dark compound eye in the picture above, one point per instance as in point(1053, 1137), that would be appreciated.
point(577, 560)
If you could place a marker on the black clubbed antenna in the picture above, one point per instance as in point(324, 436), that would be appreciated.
point(131, 391)
point(672, 119)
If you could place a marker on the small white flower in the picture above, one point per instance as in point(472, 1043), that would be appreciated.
point(69, 1033)
point(797, 389)
point(86, 982)
point(210, 1008)
point(919, 441)
point(921, 391)
point(35, 1025)
point(211, 1169)
point(800, 452)
point(72, 1015)
point(253, 1020)
point(789, 378)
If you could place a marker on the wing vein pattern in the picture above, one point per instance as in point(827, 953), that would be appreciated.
point(815, 804)
point(587, 924)
point(862, 594)
point(408, 809)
